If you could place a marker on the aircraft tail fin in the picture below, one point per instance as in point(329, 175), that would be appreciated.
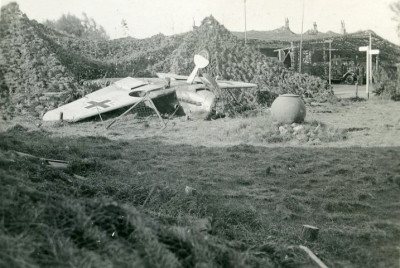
point(211, 83)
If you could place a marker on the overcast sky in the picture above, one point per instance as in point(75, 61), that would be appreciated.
point(149, 17)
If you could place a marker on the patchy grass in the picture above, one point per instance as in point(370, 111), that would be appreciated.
point(129, 209)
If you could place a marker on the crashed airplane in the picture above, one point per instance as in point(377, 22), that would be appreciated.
point(194, 94)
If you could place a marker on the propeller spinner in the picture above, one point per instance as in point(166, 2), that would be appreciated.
point(201, 60)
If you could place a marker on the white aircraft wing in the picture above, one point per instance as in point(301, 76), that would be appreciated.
point(177, 77)
point(221, 83)
point(103, 100)
point(216, 86)
point(234, 84)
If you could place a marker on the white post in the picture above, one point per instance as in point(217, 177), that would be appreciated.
point(367, 76)
point(368, 67)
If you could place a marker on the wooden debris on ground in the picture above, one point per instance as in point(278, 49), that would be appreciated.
point(313, 257)
point(310, 233)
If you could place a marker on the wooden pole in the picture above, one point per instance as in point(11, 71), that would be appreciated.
point(245, 23)
point(326, 72)
point(98, 112)
point(370, 59)
point(157, 112)
point(313, 257)
point(127, 111)
point(330, 63)
point(301, 41)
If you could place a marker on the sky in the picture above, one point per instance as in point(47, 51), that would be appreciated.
point(146, 18)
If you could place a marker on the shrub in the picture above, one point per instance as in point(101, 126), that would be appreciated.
point(386, 86)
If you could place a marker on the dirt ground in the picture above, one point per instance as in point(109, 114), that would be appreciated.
point(349, 91)
point(369, 123)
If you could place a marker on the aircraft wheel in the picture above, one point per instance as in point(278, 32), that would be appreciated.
point(349, 80)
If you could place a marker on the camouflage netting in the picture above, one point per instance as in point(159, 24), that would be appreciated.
point(231, 59)
point(36, 60)
point(32, 64)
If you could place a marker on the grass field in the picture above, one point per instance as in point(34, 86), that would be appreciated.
point(122, 201)
point(128, 207)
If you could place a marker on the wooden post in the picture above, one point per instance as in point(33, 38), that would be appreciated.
point(292, 56)
point(369, 51)
point(356, 89)
point(190, 190)
point(310, 233)
point(326, 70)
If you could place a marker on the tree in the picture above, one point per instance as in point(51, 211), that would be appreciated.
point(395, 7)
point(83, 28)
point(92, 30)
point(69, 24)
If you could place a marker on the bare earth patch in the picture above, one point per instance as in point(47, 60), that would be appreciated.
point(366, 123)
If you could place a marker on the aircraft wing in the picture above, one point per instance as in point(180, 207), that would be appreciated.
point(172, 76)
point(217, 85)
point(177, 77)
point(103, 100)
point(221, 83)
point(234, 84)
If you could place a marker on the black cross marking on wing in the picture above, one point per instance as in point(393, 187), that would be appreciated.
point(101, 104)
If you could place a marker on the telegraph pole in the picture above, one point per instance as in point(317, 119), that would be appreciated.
point(301, 41)
point(245, 23)
point(330, 62)
point(330, 49)
point(370, 59)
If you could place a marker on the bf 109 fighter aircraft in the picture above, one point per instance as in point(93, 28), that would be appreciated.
point(194, 94)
